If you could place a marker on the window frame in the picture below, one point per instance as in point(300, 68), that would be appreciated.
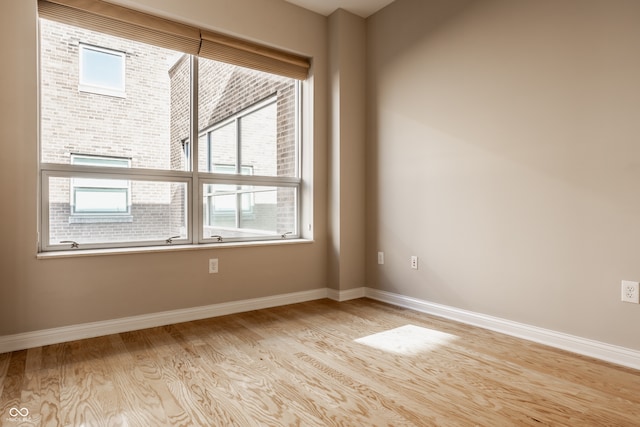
point(86, 87)
point(236, 120)
point(226, 210)
point(101, 172)
point(193, 179)
point(203, 178)
point(249, 180)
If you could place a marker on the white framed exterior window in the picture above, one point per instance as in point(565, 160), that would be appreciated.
point(102, 71)
point(223, 198)
point(245, 150)
point(99, 196)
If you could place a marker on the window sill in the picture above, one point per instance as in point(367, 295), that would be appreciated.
point(99, 219)
point(96, 90)
point(168, 248)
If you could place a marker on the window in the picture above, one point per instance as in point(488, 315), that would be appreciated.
point(100, 196)
point(101, 70)
point(215, 196)
point(247, 144)
point(200, 151)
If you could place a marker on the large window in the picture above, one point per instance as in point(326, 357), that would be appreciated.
point(198, 151)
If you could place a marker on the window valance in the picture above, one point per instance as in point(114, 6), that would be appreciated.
point(124, 22)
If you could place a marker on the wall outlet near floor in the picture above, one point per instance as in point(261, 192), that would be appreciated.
point(213, 265)
point(414, 262)
point(630, 292)
point(380, 258)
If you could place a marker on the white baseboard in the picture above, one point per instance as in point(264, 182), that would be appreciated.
point(346, 295)
point(586, 347)
point(599, 350)
point(95, 329)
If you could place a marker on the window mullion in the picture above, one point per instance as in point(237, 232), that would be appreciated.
point(196, 223)
point(238, 146)
point(238, 171)
point(128, 173)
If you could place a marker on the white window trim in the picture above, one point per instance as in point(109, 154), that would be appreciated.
point(51, 170)
point(97, 89)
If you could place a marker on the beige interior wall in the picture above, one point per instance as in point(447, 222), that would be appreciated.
point(347, 45)
point(503, 151)
point(39, 294)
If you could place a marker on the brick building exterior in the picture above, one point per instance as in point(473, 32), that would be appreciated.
point(148, 127)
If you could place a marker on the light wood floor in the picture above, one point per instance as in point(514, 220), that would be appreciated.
point(321, 363)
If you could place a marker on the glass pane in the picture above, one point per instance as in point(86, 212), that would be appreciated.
point(100, 200)
point(258, 133)
point(102, 68)
point(144, 211)
point(100, 161)
point(148, 124)
point(248, 112)
point(100, 183)
point(222, 149)
point(241, 211)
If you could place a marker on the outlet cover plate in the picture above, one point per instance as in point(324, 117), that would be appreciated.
point(213, 265)
point(630, 291)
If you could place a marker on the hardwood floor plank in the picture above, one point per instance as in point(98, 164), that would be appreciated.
point(48, 410)
point(31, 391)
point(190, 383)
point(5, 359)
point(87, 394)
point(230, 373)
point(220, 362)
point(13, 383)
point(320, 363)
point(149, 397)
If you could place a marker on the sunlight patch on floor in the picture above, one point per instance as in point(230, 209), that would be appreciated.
point(407, 340)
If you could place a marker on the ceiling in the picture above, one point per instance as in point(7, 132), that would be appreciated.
point(362, 8)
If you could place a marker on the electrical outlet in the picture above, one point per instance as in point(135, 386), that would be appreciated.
point(630, 292)
point(380, 258)
point(213, 265)
point(414, 262)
